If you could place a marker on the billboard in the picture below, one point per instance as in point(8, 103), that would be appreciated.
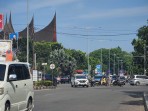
point(5, 46)
point(1, 21)
point(98, 69)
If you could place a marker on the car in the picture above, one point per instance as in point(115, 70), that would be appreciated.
point(97, 79)
point(16, 87)
point(64, 79)
point(122, 80)
point(139, 80)
point(79, 80)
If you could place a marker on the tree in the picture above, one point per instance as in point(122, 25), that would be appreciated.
point(79, 56)
point(140, 46)
point(115, 53)
point(22, 50)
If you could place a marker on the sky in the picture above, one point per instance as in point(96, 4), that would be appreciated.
point(85, 25)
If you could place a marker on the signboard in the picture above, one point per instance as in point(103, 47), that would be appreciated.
point(35, 75)
point(43, 64)
point(13, 36)
point(5, 45)
point(52, 66)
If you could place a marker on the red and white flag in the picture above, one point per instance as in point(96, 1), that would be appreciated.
point(1, 21)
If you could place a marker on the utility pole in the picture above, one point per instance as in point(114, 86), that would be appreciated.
point(145, 62)
point(114, 63)
point(109, 62)
point(101, 60)
point(27, 33)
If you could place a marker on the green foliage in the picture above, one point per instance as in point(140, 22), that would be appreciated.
point(140, 46)
point(115, 54)
point(79, 56)
point(22, 53)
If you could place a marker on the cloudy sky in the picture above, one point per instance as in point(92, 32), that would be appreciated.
point(84, 25)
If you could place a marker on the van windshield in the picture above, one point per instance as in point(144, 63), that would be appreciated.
point(2, 72)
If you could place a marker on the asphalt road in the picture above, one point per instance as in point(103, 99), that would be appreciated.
point(102, 98)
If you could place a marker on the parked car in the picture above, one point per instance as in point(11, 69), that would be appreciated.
point(97, 79)
point(16, 87)
point(139, 80)
point(65, 79)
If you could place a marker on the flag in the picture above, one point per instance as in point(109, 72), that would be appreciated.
point(1, 21)
point(13, 36)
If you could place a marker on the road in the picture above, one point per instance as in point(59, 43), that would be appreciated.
point(102, 98)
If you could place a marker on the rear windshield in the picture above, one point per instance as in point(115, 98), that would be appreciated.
point(80, 77)
point(97, 77)
point(2, 72)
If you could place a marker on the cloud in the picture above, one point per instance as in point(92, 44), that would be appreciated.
point(114, 13)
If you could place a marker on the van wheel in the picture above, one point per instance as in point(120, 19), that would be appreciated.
point(7, 107)
point(29, 105)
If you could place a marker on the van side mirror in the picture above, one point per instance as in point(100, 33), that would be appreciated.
point(12, 77)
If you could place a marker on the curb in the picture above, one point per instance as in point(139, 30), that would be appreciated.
point(145, 98)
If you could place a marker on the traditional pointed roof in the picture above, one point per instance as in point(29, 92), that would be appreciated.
point(23, 33)
point(48, 33)
point(8, 28)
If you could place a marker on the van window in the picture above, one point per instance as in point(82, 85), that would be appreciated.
point(2, 72)
point(20, 70)
point(26, 72)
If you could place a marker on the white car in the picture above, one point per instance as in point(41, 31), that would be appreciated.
point(16, 87)
point(79, 80)
point(139, 80)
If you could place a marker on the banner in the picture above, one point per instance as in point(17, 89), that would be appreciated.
point(98, 69)
point(1, 21)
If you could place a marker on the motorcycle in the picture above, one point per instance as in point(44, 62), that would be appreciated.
point(117, 83)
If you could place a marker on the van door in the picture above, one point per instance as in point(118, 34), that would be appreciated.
point(15, 88)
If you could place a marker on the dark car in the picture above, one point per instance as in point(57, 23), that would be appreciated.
point(65, 79)
point(122, 80)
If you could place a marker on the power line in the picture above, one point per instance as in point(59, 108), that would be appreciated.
point(95, 34)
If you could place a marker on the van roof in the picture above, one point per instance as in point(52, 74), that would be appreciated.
point(8, 63)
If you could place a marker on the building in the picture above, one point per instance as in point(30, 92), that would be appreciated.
point(46, 34)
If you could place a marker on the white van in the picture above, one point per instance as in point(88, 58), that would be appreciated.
point(79, 80)
point(16, 87)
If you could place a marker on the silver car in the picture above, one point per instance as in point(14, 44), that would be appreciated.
point(139, 80)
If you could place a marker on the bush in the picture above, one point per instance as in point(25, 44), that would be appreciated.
point(43, 83)
point(47, 83)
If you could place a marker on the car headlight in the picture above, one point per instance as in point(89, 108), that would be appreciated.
point(1, 91)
